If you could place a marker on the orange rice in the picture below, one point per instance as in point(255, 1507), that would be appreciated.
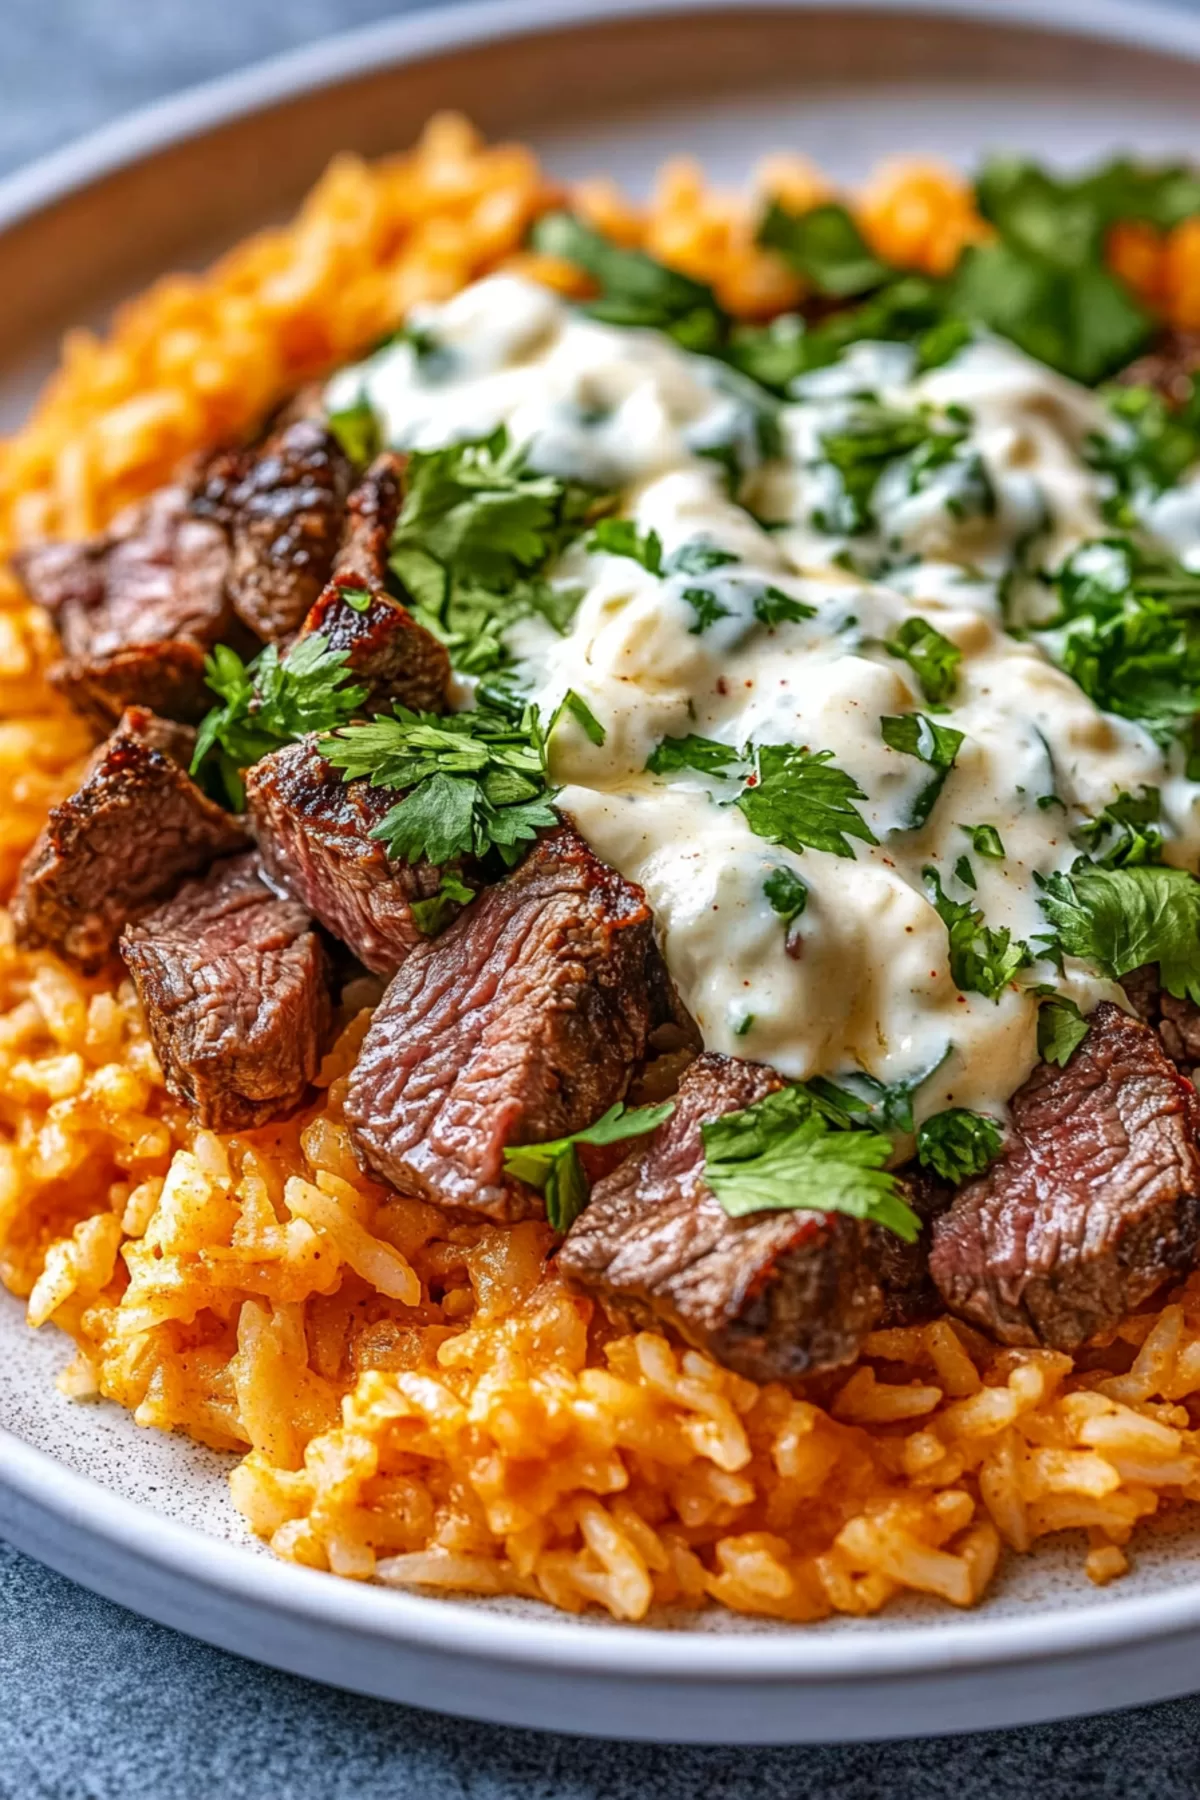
point(418, 1400)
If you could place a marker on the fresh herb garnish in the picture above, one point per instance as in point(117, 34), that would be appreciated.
point(985, 841)
point(800, 798)
point(966, 873)
point(270, 702)
point(707, 608)
point(825, 246)
point(932, 658)
point(473, 781)
point(1149, 448)
point(691, 752)
point(431, 915)
point(555, 1169)
point(358, 599)
point(634, 288)
point(982, 961)
point(1061, 1028)
point(860, 1098)
point(357, 431)
point(620, 537)
point(1118, 919)
point(574, 706)
point(786, 893)
point(782, 1153)
point(867, 442)
point(1126, 833)
point(937, 745)
point(957, 1144)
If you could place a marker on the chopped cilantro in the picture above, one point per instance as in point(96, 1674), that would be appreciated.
point(706, 607)
point(932, 658)
point(860, 1098)
point(825, 246)
point(272, 701)
point(574, 706)
point(910, 309)
point(786, 893)
point(782, 1153)
point(358, 599)
point(985, 841)
point(472, 782)
point(357, 431)
point(432, 915)
point(966, 873)
point(937, 745)
point(957, 1144)
point(799, 798)
point(1126, 833)
point(555, 1169)
point(1118, 919)
point(1150, 446)
point(691, 752)
point(620, 537)
point(634, 289)
point(982, 961)
point(1061, 1028)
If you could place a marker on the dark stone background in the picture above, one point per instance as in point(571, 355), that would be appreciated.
point(97, 1704)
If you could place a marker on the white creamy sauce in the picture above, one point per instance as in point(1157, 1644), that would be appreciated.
point(862, 979)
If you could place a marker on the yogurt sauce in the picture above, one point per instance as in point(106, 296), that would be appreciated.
point(862, 979)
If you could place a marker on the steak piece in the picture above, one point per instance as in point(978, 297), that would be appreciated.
point(314, 834)
point(522, 1022)
point(283, 505)
point(135, 609)
point(1094, 1203)
point(1169, 366)
point(1177, 1022)
point(902, 1270)
point(774, 1295)
point(136, 824)
point(389, 653)
point(234, 985)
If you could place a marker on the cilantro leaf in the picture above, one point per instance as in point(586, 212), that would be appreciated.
point(555, 1170)
point(707, 608)
point(861, 1098)
point(432, 915)
point(272, 701)
point(938, 745)
point(634, 288)
point(1149, 448)
point(786, 893)
point(859, 450)
point(574, 706)
point(773, 607)
point(781, 1154)
point(799, 798)
point(1126, 832)
point(690, 752)
point(910, 309)
point(1061, 1028)
point(982, 961)
point(1118, 919)
point(932, 658)
point(357, 431)
point(620, 537)
point(985, 841)
point(697, 556)
point(957, 1144)
point(825, 246)
point(472, 782)
point(965, 873)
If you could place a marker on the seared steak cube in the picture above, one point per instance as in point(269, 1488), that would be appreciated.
point(1177, 1022)
point(901, 1269)
point(1094, 1203)
point(314, 833)
point(133, 828)
point(392, 656)
point(136, 610)
point(234, 985)
point(522, 1022)
point(283, 505)
point(774, 1295)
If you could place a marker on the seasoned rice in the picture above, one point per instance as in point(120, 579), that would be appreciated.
point(418, 1400)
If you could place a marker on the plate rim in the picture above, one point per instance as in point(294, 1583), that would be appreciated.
point(77, 1502)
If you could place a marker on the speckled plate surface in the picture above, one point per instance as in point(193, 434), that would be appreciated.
point(617, 85)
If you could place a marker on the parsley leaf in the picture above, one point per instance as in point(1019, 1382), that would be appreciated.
point(938, 745)
point(691, 752)
point(272, 701)
point(707, 608)
point(357, 431)
point(910, 309)
point(932, 658)
point(859, 1097)
point(432, 915)
point(871, 437)
point(982, 961)
point(634, 288)
point(966, 873)
point(786, 893)
point(1061, 1028)
point(555, 1170)
point(573, 705)
point(781, 1153)
point(799, 797)
point(620, 537)
point(957, 1144)
point(1150, 447)
point(1126, 833)
point(825, 246)
point(985, 841)
point(474, 781)
point(1118, 919)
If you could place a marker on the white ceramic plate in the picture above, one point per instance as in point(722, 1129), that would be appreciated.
point(618, 85)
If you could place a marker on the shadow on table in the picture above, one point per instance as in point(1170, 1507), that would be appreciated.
point(97, 1703)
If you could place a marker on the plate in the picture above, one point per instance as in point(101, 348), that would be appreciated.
point(616, 85)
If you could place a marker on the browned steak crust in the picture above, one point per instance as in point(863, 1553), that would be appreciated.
point(522, 1022)
point(775, 1295)
point(1094, 1203)
point(136, 824)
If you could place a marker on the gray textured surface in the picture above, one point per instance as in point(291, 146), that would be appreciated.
point(95, 1703)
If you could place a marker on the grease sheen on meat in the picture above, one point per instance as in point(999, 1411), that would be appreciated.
point(133, 828)
point(234, 984)
point(774, 1295)
point(1094, 1203)
point(522, 1022)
